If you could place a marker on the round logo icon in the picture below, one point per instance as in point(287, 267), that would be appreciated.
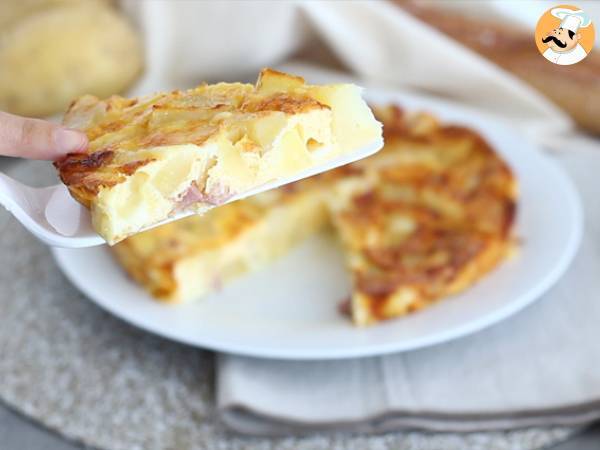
point(564, 35)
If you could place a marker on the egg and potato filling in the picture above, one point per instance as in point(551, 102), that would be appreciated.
point(423, 219)
point(153, 156)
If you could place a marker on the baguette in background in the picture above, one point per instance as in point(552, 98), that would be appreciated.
point(575, 88)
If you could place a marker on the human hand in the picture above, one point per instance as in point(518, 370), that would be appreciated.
point(37, 139)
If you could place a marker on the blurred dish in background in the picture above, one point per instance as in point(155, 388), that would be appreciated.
point(52, 51)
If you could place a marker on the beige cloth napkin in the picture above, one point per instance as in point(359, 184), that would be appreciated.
point(535, 369)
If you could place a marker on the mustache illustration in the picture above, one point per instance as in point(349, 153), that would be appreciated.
point(556, 41)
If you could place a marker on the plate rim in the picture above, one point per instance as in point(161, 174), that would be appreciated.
point(489, 318)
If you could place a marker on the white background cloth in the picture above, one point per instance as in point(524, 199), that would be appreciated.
point(187, 42)
point(537, 368)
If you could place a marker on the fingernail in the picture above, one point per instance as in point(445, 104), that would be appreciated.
point(70, 140)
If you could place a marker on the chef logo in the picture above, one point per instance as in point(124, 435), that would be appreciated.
point(564, 35)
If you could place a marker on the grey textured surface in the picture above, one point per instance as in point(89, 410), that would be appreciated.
point(97, 380)
point(19, 433)
point(588, 440)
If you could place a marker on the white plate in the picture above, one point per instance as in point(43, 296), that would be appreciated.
point(289, 310)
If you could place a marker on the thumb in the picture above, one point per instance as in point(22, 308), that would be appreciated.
point(37, 139)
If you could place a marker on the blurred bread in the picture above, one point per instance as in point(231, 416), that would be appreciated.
point(52, 51)
point(576, 88)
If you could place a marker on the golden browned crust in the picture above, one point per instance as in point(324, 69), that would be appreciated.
point(289, 104)
point(85, 174)
point(438, 217)
point(118, 128)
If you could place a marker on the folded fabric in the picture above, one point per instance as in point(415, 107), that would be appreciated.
point(376, 41)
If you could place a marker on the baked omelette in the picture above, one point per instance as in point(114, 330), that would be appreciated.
point(424, 218)
point(188, 258)
point(151, 157)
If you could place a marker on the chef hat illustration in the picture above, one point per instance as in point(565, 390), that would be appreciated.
point(571, 20)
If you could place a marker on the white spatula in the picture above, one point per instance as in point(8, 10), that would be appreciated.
point(58, 220)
